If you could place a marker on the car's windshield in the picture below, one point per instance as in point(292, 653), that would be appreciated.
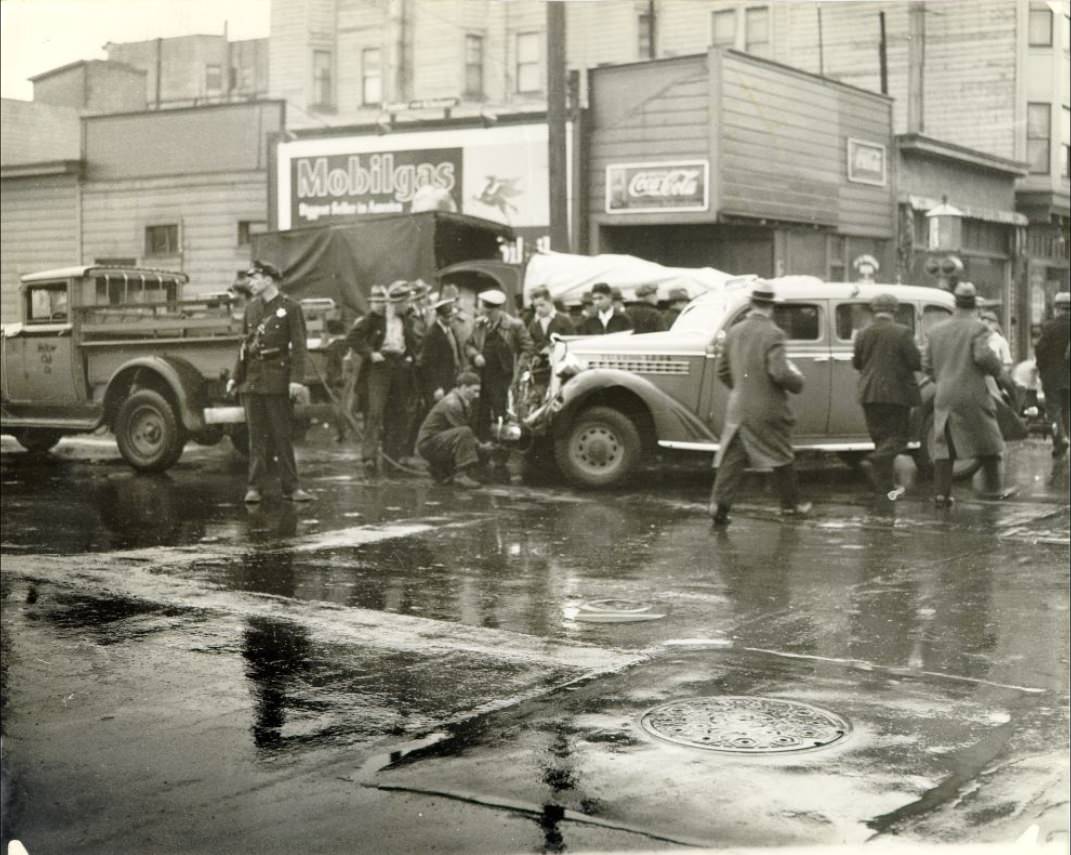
point(701, 316)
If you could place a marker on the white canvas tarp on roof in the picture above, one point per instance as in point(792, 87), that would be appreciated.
point(567, 276)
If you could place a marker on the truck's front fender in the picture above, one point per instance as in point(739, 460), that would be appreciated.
point(181, 378)
point(671, 419)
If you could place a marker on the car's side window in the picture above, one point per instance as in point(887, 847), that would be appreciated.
point(852, 318)
point(800, 321)
point(933, 315)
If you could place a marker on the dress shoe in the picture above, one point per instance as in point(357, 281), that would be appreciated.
point(298, 495)
point(719, 516)
point(803, 509)
point(942, 501)
point(252, 496)
point(1000, 495)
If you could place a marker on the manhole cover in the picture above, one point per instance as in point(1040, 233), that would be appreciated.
point(613, 611)
point(743, 725)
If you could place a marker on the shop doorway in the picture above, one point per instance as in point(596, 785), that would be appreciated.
point(731, 249)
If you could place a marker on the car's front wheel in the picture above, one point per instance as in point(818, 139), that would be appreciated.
point(600, 449)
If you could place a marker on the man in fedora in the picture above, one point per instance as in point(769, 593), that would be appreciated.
point(439, 361)
point(886, 357)
point(758, 419)
point(1054, 369)
point(678, 299)
point(958, 359)
point(386, 346)
point(269, 372)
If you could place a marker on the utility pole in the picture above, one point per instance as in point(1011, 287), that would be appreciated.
point(557, 161)
point(883, 56)
point(916, 66)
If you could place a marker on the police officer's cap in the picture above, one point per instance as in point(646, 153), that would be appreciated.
point(263, 267)
point(1062, 299)
point(493, 297)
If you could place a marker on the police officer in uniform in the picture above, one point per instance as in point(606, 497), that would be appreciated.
point(271, 364)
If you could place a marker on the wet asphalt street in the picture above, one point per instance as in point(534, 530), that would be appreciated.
point(401, 667)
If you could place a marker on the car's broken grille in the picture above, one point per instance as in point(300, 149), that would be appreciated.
point(641, 363)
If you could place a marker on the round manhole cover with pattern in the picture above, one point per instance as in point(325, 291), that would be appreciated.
point(745, 725)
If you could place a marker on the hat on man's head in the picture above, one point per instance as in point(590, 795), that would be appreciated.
point(763, 293)
point(646, 290)
point(601, 288)
point(418, 289)
point(615, 293)
point(444, 306)
point(989, 315)
point(493, 297)
point(378, 294)
point(468, 378)
point(884, 303)
point(585, 299)
point(263, 267)
point(966, 296)
point(398, 292)
point(676, 294)
point(1062, 299)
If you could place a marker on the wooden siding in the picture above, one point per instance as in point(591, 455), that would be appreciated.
point(208, 209)
point(38, 231)
point(783, 144)
point(649, 112)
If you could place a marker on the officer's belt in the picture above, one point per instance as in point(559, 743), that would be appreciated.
point(268, 353)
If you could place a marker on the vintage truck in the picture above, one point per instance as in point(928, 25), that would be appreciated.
point(116, 347)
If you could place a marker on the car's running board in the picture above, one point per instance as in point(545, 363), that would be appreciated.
point(827, 446)
point(74, 425)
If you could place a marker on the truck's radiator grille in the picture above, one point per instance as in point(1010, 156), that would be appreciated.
point(641, 363)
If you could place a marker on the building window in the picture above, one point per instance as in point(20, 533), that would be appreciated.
point(473, 66)
point(213, 78)
point(322, 93)
point(757, 31)
point(1065, 141)
point(161, 240)
point(248, 228)
point(529, 48)
point(1040, 29)
point(644, 42)
point(371, 77)
point(723, 28)
point(1038, 137)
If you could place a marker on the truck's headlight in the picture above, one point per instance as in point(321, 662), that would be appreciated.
point(570, 366)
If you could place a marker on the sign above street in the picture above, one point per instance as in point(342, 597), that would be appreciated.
point(681, 185)
point(421, 104)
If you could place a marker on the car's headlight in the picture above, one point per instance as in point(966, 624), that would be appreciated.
point(569, 366)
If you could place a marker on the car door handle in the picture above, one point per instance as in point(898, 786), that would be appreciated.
point(819, 358)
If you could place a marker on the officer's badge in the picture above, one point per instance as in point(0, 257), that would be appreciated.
point(280, 313)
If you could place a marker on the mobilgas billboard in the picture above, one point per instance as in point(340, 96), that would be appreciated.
point(497, 173)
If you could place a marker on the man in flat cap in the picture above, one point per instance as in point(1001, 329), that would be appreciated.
point(757, 430)
point(498, 349)
point(606, 317)
point(886, 357)
point(678, 299)
point(446, 439)
point(387, 349)
point(958, 359)
point(269, 372)
point(643, 311)
point(1054, 368)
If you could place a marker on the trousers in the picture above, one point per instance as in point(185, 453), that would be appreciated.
point(730, 476)
point(889, 426)
point(387, 413)
point(449, 451)
point(268, 421)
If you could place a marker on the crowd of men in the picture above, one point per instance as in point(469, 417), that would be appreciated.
point(433, 383)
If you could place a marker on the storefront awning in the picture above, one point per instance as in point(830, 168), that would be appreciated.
point(989, 215)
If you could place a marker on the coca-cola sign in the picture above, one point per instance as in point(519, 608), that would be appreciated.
point(665, 186)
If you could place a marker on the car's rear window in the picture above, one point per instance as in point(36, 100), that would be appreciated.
point(851, 318)
point(800, 321)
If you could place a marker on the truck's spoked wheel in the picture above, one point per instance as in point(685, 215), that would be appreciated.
point(148, 433)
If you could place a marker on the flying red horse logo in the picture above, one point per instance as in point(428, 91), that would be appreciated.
point(497, 192)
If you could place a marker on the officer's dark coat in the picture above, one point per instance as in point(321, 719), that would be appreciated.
point(886, 356)
point(273, 355)
point(754, 366)
point(958, 358)
point(503, 345)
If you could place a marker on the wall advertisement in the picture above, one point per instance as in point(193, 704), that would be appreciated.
point(497, 173)
point(682, 185)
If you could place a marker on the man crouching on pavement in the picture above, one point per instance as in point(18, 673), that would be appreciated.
point(446, 439)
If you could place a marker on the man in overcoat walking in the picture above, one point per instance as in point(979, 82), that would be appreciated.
point(886, 357)
point(758, 419)
point(269, 372)
point(1051, 354)
point(958, 358)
